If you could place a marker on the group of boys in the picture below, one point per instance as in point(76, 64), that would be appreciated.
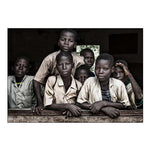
point(70, 85)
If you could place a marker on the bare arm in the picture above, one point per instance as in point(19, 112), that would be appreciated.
point(97, 106)
point(84, 105)
point(75, 110)
point(111, 112)
point(39, 107)
point(61, 107)
point(136, 88)
point(37, 86)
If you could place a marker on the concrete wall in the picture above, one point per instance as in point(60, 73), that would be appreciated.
point(38, 43)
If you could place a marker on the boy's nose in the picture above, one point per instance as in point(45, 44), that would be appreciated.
point(89, 60)
point(64, 66)
point(21, 67)
point(101, 71)
point(66, 41)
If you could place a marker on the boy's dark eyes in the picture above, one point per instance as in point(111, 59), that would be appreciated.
point(17, 65)
point(102, 68)
point(89, 58)
point(63, 39)
point(105, 68)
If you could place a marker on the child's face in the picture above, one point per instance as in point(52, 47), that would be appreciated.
point(64, 66)
point(82, 75)
point(67, 41)
point(103, 70)
point(119, 73)
point(89, 59)
point(21, 68)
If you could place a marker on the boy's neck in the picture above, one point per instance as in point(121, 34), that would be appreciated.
point(19, 79)
point(104, 85)
point(66, 51)
point(67, 82)
point(68, 78)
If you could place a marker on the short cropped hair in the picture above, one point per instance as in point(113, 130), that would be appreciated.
point(22, 57)
point(82, 67)
point(66, 54)
point(122, 61)
point(106, 56)
point(82, 53)
point(71, 31)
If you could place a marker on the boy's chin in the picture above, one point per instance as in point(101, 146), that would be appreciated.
point(19, 75)
point(66, 50)
point(102, 79)
point(65, 75)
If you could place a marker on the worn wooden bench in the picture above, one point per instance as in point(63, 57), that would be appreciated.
point(47, 116)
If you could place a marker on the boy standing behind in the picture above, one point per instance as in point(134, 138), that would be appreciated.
point(66, 42)
point(82, 73)
point(88, 59)
point(103, 93)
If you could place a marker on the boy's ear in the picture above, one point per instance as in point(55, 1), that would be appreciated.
point(75, 44)
point(113, 69)
point(72, 64)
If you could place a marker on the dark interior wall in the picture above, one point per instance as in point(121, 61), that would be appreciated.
point(38, 43)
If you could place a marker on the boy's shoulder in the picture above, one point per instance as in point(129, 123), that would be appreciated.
point(79, 84)
point(91, 81)
point(116, 82)
point(26, 78)
point(29, 77)
point(75, 55)
point(11, 77)
point(52, 79)
point(52, 55)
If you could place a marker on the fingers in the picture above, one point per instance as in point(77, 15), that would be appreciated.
point(67, 114)
point(64, 113)
point(38, 110)
point(119, 64)
point(115, 113)
point(33, 109)
point(95, 108)
point(75, 110)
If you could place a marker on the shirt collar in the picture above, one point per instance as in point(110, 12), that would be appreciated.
point(61, 83)
point(14, 79)
point(110, 81)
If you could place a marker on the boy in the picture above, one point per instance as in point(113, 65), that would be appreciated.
point(82, 73)
point(133, 89)
point(102, 93)
point(20, 86)
point(61, 91)
point(88, 59)
point(66, 42)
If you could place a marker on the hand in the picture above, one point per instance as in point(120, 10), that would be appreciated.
point(111, 112)
point(87, 105)
point(38, 109)
point(67, 113)
point(97, 106)
point(125, 69)
point(75, 110)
